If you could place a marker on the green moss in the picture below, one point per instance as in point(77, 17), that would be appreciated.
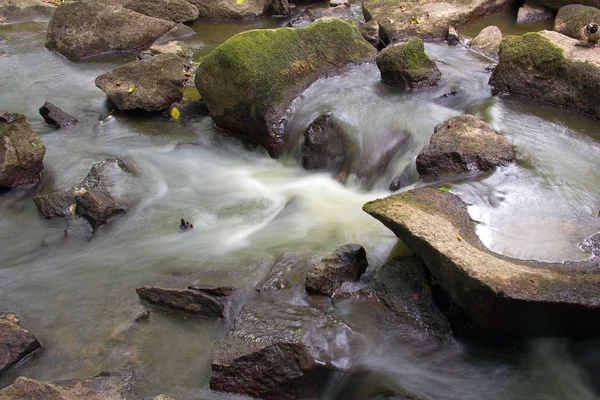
point(571, 19)
point(407, 62)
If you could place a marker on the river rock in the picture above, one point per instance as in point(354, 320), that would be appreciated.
point(56, 204)
point(558, 4)
point(186, 300)
point(551, 67)
point(529, 12)
point(345, 264)
point(179, 32)
point(426, 19)
point(21, 152)
point(25, 10)
point(97, 206)
point(403, 286)
point(452, 36)
point(248, 81)
point(570, 20)
point(109, 385)
point(170, 10)
point(150, 85)
point(325, 145)
point(407, 66)
point(15, 342)
point(216, 291)
point(81, 29)
point(231, 9)
point(500, 296)
point(288, 272)
point(279, 7)
point(487, 42)
point(279, 351)
point(370, 32)
point(189, 110)
point(462, 144)
point(55, 116)
point(176, 47)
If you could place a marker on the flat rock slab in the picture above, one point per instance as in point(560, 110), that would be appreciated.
point(501, 297)
point(346, 264)
point(56, 204)
point(217, 291)
point(55, 116)
point(429, 20)
point(171, 10)
point(279, 351)
point(230, 9)
point(186, 300)
point(15, 342)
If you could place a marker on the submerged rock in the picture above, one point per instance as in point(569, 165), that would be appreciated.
point(570, 20)
point(551, 67)
point(500, 296)
point(487, 42)
point(345, 264)
point(231, 10)
point(21, 152)
point(178, 48)
point(279, 351)
point(529, 12)
point(452, 36)
point(56, 204)
point(81, 29)
point(186, 300)
point(150, 85)
point(15, 342)
point(248, 81)
point(25, 10)
point(171, 10)
point(462, 144)
point(407, 66)
point(109, 385)
point(288, 272)
point(55, 116)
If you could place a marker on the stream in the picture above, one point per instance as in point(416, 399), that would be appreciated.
point(77, 294)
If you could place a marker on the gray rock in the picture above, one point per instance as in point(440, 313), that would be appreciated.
point(170, 10)
point(288, 272)
point(279, 351)
point(462, 144)
point(179, 32)
point(21, 152)
point(186, 300)
point(407, 66)
point(82, 29)
point(345, 264)
point(452, 36)
point(487, 42)
point(178, 48)
point(149, 85)
point(56, 204)
point(25, 10)
point(570, 20)
point(15, 342)
point(558, 4)
point(326, 145)
point(53, 115)
point(216, 291)
point(97, 206)
point(533, 13)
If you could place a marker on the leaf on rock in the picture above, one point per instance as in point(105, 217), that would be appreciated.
point(239, 2)
point(444, 189)
point(34, 144)
point(175, 113)
point(72, 208)
point(131, 89)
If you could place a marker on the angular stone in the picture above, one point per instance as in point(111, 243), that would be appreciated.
point(533, 13)
point(55, 204)
point(370, 31)
point(452, 36)
point(97, 206)
point(53, 115)
point(218, 291)
point(15, 342)
point(171, 10)
point(407, 66)
point(487, 42)
point(288, 272)
point(326, 145)
point(179, 32)
point(570, 20)
point(345, 264)
point(178, 48)
point(462, 144)
point(186, 300)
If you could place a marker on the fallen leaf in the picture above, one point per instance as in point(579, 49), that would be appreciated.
point(459, 238)
point(131, 89)
point(417, 20)
point(186, 73)
point(118, 83)
point(403, 8)
point(391, 21)
point(175, 113)
point(599, 213)
point(238, 2)
point(34, 144)
point(415, 296)
point(444, 189)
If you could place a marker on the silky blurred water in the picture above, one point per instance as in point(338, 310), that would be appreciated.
point(77, 294)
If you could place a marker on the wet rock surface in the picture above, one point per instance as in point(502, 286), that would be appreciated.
point(15, 342)
point(407, 66)
point(345, 264)
point(186, 300)
point(370, 31)
point(170, 10)
point(279, 351)
point(178, 48)
point(216, 291)
point(55, 204)
point(570, 20)
point(25, 10)
point(326, 145)
point(462, 144)
point(288, 272)
point(149, 85)
point(97, 206)
point(55, 116)
point(487, 42)
point(21, 152)
point(557, 4)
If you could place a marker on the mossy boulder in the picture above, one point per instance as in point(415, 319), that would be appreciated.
point(558, 4)
point(370, 32)
point(463, 144)
point(408, 66)
point(150, 85)
point(533, 13)
point(501, 297)
point(83, 29)
point(487, 42)
point(171, 10)
point(551, 67)
point(570, 20)
point(21, 152)
point(248, 81)
point(231, 9)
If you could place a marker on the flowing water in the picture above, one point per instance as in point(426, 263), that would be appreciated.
point(77, 294)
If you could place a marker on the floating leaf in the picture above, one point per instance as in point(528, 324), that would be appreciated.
point(459, 238)
point(131, 89)
point(175, 113)
point(444, 189)
point(238, 2)
point(34, 144)
point(417, 20)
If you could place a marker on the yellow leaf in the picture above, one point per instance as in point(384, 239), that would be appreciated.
point(239, 2)
point(459, 238)
point(72, 208)
point(131, 89)
point(175, 113)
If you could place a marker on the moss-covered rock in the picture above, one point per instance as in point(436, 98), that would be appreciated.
point(551, 67)
point(248, 81)
point(370, 32)
point(529, 12)
point(408, 66)
point(150, 85)
point(500, 296)
point(570, 20)
point(83, 29)
point(171, 10)
point(558, 4)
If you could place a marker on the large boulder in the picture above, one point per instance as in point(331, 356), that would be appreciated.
point(248, 81)
point(150, 85)
point(187, 300)
point(55, 116)
point(426, 19)
point(533, 13)
point(551, 67)
point(558, 4)
point(500, 296)
point(21, 152)
point(279, 351)
point(231, 9)
point(463, 144)
point(87, 28)
point(408, 66)
point(15, 342)
point(171, 10)
point(26, 10)
point(346, 264)
point(487, 42)
point(570, 20)
point(109, 385)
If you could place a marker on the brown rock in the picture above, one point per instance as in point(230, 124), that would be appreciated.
point(487, 42)
point(570, 20)
point(347, 263)
point(15, 342)
point(186, 300)
point(408, 66)
point(533, 13)
point(170, 10)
